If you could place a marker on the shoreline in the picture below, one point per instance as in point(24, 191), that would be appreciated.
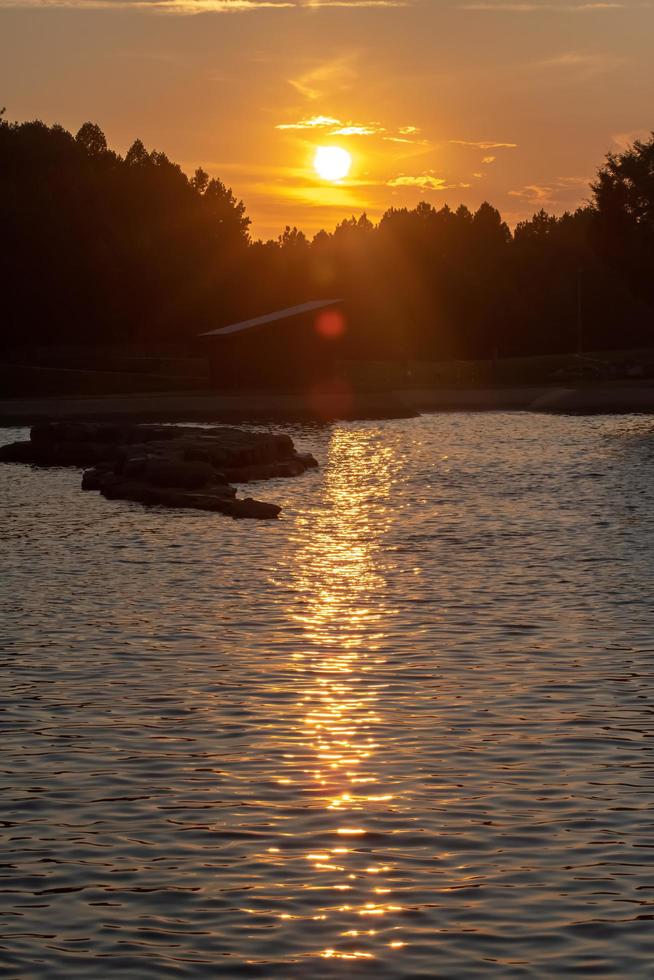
point(579, 400)
point(185, 406)
point(260, 407)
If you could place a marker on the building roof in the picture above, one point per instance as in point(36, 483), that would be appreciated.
point(258, 321)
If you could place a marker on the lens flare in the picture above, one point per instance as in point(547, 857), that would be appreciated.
point(330, 324)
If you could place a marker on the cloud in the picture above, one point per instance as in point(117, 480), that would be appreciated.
point(356, 3)
point(585, 64)
point(624, 140)
point(335, 127)
point(561, 191)
point(339, 127)
point(357, 131)
point(488, 159)
point(406, 139)
point(407, 134)
point(535, 7)
point(573, 182)
point(570, 58)
point(424, 182)
point(485, 144)
point(332, 76)
point(535, 193)
point(194, 6)
point(313, 122)
point(156, 6)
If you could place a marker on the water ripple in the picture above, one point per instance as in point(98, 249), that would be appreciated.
point(404, 732)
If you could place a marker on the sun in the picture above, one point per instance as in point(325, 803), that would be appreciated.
point(332, 162)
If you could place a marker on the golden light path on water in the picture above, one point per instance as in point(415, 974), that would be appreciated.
point(341, 670)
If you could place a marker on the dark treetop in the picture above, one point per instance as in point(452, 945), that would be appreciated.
point(96, 248)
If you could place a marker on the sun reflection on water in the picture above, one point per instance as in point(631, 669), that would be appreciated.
point(340, 671)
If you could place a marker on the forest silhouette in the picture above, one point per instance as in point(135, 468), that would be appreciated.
point(101, 249)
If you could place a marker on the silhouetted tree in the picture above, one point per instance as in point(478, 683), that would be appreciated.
point(97, 248)
point(200, 180)
point(623, 199)
point(92, 139)
point(137, 155)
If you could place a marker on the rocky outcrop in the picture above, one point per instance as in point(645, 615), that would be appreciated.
point(166, 465)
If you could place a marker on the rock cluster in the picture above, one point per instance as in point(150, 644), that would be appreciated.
point(165, 465)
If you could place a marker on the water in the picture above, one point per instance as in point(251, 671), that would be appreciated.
point(403, 732)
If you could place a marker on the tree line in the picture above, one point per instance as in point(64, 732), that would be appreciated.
point(99, 248)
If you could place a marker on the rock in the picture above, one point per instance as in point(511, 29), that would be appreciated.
point(93, 479)
point(265, 471)
point(253, 508)
point(166, 465)
point(221, 499)
point(16, 452)
point(170, 472)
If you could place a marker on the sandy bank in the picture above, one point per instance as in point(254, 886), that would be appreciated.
point(271, 407)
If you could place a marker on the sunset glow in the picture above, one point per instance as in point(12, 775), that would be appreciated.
point(450, 103)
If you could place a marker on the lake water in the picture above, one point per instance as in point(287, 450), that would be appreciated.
point(403, 732)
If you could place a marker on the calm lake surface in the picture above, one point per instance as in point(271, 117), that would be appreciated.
point(403, 732)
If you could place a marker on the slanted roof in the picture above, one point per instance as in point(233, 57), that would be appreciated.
point(258, 321)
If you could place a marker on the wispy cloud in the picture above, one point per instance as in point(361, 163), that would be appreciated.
point(338, 75)
point(332, 126)
point(407, 134)
point(558, 192)
point(154, 6)
point(535, 193)
point(573, 181)
point(424, 182)
point(404, 139)
point(622, 141)
point(484, 144)
point(356, 3)
point(195, 6)
point(572, 59)
point(529, 7)
point(357, 131)
point(335, 127)
point(488, 159)
point(313, 122)
point(583, 64)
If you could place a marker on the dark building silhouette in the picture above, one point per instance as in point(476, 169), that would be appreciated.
point(288, 348)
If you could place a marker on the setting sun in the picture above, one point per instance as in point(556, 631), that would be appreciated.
point(332, 162)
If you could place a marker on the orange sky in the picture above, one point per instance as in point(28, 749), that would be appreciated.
point(512, 101)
